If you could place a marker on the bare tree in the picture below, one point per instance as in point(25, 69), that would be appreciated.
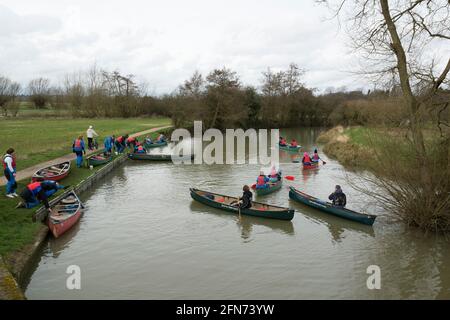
point(9, 90)
point(39, 91)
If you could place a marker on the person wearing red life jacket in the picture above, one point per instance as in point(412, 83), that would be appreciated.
point(262, 181)
point(282, 142)
point(120, 143)
point(9, 170)
point(78, 147)
point(140, 148)
point(37, 192)
point(306, 159)
point(294, 143)
point(131, 142)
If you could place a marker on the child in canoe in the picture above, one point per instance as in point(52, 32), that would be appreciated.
point(139, 148)
point(306, 160)
point(262, 181)
point(294, 144)
point(282, 142)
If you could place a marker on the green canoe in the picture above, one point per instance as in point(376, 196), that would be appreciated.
point(289, 148)
point(327, 207)
point(97, 160)
point(258, 209)
point(273, 186)
point(155, 157)
point(155, 145)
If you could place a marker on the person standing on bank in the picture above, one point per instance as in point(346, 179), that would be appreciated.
point(78, 148)
point(90, 134)
point(9, 169)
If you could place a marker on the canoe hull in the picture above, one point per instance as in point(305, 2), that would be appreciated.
point(287, 214)
point(313, 165)
point(38, 177)
point(98, 162)
point(327, 207)
point(60, 228)
point(290, 149)
point(155, 145)
point(155, 157)
point(274, 187)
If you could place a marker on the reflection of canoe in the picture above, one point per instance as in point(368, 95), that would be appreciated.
point(65, 213)
point(272, 188)
point(289, 148)
point(247, 222)
point(327, 207)
point(257, 210)
point(155, 145)
point(97, 160)
point(54, 172)
point(311, 165)
point(156, 157)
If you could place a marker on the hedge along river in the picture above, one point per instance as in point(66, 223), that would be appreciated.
point(143, 237)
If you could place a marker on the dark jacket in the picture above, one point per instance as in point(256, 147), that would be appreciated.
point(246, 200)
point(338, 199)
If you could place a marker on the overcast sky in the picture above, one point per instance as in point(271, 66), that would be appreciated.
point(164, 42)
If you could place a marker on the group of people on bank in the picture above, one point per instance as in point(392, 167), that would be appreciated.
point(39, 191)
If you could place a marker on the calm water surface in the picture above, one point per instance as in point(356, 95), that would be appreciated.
point(143, 237)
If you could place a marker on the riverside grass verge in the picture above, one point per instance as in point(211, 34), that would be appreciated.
point(16, 227)
point(40, 140)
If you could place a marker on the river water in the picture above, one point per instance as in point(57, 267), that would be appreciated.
point(143, 237)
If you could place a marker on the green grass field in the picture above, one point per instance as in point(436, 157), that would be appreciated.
point(39, 140)
point(16, 226)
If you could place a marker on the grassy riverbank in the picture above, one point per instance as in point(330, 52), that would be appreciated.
point(16, 227)
point(39, 140)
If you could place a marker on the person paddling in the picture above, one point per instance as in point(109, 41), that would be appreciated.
point(338, 197)
point(78, 148)
point(244, 202)
point(282, 142)
point(316, 157)
point(306, 160)
point(37, 192)
point(294, 143)
point(261, 181)
point(9, 170)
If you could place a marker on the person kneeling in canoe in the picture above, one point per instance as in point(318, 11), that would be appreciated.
point(282, 142)
point(148, 140)
point(161, 139)
point(338, 197)
point(306, 160)
point(140, 148)
point(37, 192)
point(262, 181)
point(244, 202)
point(316, 157)
point(274, 175)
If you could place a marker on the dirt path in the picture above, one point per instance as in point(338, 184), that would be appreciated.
point(28, 172)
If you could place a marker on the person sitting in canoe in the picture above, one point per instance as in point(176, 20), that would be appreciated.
point(140, 148)
point(294, 144)
point(148, 140)
point(306, 160)
point(108, 143)
point(338, 197)
point(161, 139)
point(78, 149)
point(262, 181)
point(37, 192)
point(316, 157)
point(244, 202)
point(275, 175)
point(282, 142)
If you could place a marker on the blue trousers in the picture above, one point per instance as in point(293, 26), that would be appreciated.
point(79, 158)
point(11, 186)
point(119, 147)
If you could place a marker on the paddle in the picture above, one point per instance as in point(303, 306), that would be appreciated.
point(291, 178)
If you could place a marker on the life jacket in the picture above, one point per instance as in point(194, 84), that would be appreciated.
point(316, 156)
point(140, 149)
point(119, 139)
point(293, 143)
point(77, 143)
point(131, 139)
point(260, 181)
point(283, 141)
point(35, 188)
point(13, 161)
point(306, 158)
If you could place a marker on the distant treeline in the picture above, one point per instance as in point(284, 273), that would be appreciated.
point(219, 99)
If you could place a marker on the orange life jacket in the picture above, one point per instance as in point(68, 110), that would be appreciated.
point(140, 148)
point(34, 187)
point(119, 139)
point(131, 139)
point(283, 141)
point(260, 180)
point(77, 143)
point(307, 158)
point(294, 143)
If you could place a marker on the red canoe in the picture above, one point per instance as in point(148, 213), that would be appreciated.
point(65, 213)
point(311, 165)
point(54, 172)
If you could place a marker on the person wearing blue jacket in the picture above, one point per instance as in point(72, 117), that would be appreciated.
point(78, 148)
point(109, 142)
point(37, 192)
